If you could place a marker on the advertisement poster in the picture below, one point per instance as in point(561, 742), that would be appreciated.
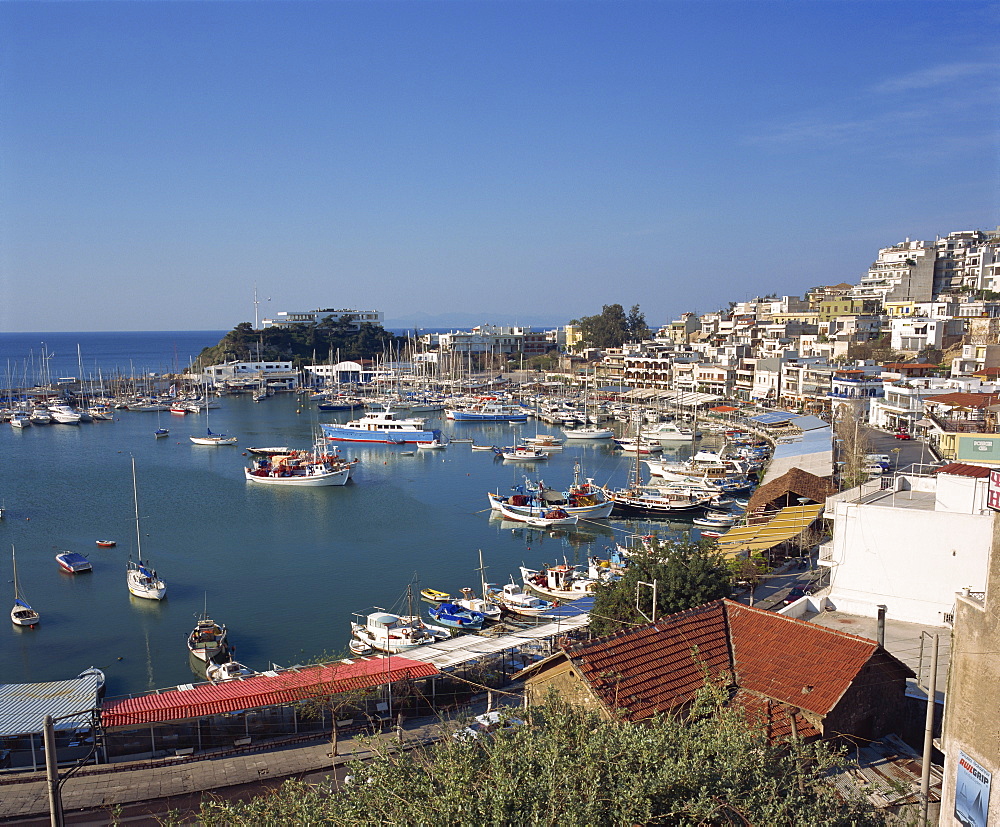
point(972, 792)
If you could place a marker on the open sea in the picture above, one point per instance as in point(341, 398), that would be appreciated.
point(285, 570)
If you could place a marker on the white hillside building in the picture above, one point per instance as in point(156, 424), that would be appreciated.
point(910, 546)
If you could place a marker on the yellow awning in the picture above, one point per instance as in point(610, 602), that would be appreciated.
point(787, 523)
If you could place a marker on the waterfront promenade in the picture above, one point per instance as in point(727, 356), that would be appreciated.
point(142, 790)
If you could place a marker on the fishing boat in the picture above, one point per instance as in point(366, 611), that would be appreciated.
point(105, 543)
point(435, 596)
point(433, 444)
point(550, 519)
point(231, 670)
point(381, 427)
point(207, 641)
point(73, 562)
point(300, 469)
point(715, 519)
point(270, 452)
point(582, 499)
point(454, 616)
point(517, 601)
point(562, 582)
point(142, 581)
point(392, 633)
point(522, 453)
point(21, 614)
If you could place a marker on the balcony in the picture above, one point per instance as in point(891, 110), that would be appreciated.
point(962, 426)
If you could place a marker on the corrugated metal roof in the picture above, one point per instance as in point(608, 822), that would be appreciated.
point(24, 705)
point(465, 648)
point(262, 690)
point(963, 469)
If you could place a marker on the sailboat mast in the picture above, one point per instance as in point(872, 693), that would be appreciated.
point(135, 497)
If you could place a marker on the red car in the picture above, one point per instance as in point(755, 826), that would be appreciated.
point(903, 435)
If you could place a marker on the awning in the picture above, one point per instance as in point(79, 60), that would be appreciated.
point(787, 523)
point(723, 409)
point(24, 705)
point(270, 689)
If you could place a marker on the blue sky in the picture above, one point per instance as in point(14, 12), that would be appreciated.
point(508, 162)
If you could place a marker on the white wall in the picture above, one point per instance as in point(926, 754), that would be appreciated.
point(913, 561)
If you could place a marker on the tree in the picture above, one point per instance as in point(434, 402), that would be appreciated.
point(686, 574)
point(569, 767)
point(610, 329)
point(637, 327)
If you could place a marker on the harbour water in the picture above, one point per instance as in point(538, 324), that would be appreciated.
point(284, 569)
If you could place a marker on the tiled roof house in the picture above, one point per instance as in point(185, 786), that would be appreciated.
point(786, 673)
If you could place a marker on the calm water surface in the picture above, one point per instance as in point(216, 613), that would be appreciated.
point(284, 569)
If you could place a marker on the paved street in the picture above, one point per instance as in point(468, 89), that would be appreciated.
point(137, 793)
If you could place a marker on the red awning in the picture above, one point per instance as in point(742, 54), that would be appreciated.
point(723, 409)
point(261, 690)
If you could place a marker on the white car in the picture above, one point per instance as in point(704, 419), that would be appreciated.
point(485, 724)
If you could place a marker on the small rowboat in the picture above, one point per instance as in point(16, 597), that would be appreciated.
point(434, 596)
point(712, 535)
point(106, 543)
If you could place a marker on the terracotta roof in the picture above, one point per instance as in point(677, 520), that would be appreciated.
point(963, 469)
point(794, 661)
point(774, 717)
point(262, 690)
point(656, 667)
point(960, 399)
point(793, 481)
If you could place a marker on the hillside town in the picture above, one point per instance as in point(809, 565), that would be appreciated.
point(846, 595)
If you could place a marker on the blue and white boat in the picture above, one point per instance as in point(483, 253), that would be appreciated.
point(381, 426)
point(454, 616)
point(488, 411)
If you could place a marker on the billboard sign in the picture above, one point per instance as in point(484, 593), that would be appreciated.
point(972, 792)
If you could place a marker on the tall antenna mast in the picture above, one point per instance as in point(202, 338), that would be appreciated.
point(256, 321)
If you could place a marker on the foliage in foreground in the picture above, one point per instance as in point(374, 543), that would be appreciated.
point(572, 768)
point(686, 575)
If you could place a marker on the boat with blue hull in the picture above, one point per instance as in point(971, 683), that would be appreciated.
point(381, 427)
point(488, 411)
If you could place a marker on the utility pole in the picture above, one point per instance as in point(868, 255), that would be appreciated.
point(925, 776)
point(52, 772)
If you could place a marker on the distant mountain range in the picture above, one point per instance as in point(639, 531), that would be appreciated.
point(465, 321)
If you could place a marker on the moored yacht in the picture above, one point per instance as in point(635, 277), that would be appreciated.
point(383, 427)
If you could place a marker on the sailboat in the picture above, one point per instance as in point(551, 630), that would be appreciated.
point(586, 431)
point(210, 438)
point(22, 614)
point(142, 581)
point(160, 432)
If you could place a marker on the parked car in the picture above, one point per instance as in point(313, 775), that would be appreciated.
point(795, 593)
point(903, 435)
point(486, 724)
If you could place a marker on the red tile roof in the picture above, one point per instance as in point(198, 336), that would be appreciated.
point(960, 399)
point(656, 667)
point(774, 717)
point(262, 690)
point(794, 661)
point(661, 666)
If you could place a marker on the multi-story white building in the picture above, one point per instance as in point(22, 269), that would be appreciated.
point(910, 546)
point(274, 374)
point(290, 318)
point(914, 334)
point(967, 260)
point(902, 272)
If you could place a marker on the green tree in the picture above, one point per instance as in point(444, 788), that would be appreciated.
point(686, 574)
point(637, 327)
point(609, 329)
point(569, 767)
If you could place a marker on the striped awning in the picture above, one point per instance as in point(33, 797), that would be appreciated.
point(787, 523)
point(23, 706)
